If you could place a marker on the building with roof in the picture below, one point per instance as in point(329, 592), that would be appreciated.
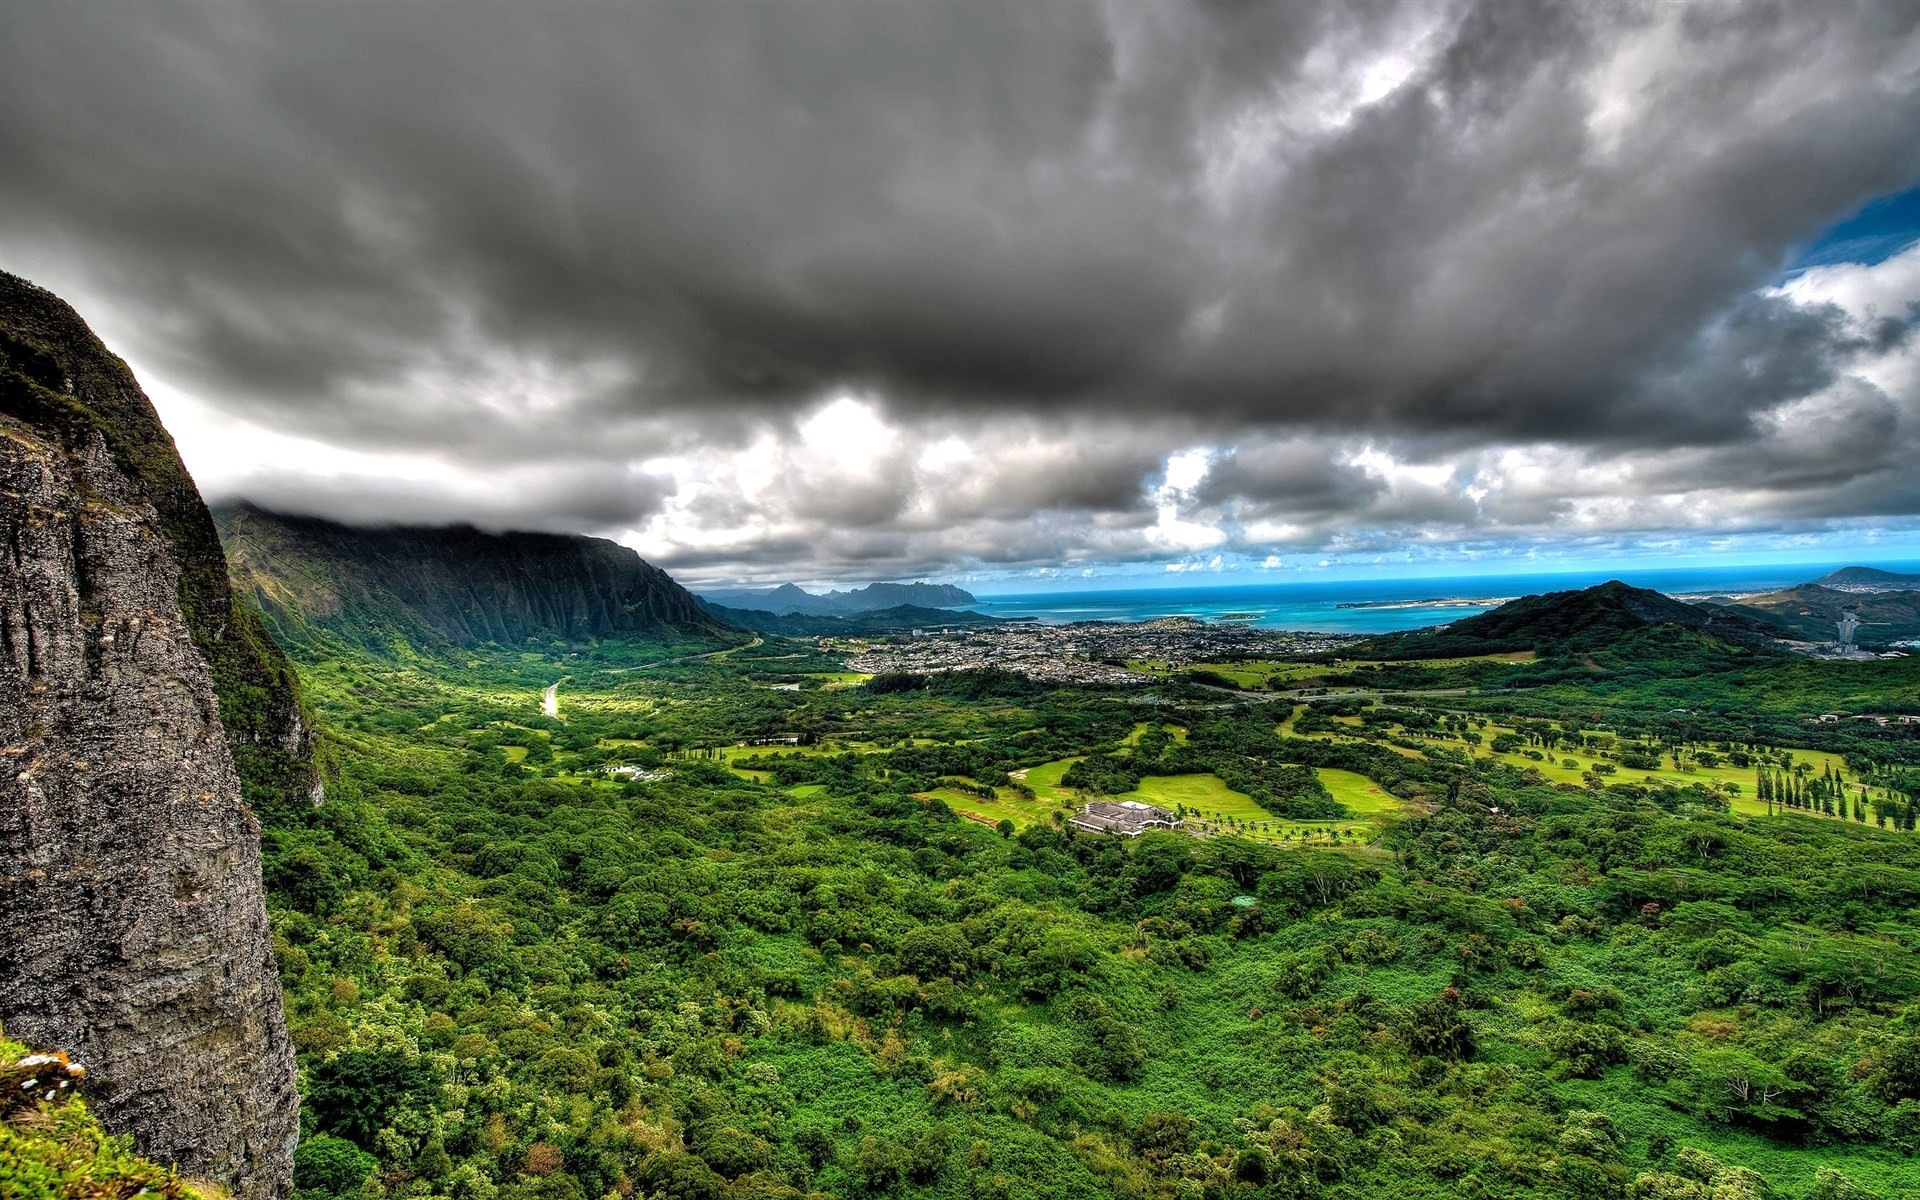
point(1129, 818)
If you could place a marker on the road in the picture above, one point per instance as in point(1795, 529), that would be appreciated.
point(1312, 694)
point(550, 701)
point(670, 662)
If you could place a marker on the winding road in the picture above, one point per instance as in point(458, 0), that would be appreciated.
point(550, 701)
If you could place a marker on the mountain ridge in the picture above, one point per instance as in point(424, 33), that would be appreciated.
point(433, 587)
point(898, 619)
point(1811, 611)
point(790, 598)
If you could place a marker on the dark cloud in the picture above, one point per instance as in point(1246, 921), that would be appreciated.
point(557, 497)
point(1289, 477)
point(1084, 234)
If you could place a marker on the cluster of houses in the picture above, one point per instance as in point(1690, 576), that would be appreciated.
point(1086, 652)
point(1869, 718)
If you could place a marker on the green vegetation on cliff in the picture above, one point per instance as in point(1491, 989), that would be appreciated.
point(52, 1148)
point(396, 590)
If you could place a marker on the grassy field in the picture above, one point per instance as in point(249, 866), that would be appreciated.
point(1179, 733)
point(1511, 656)
point(1553, 767)
point(834, 681)
point(1361, 795)
point(1006, 806)
point(1045, 780)
point(1217, 808)
point(1206, 793)
point(1262, 675)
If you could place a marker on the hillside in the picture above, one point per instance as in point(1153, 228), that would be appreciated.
point(888, 620)
point(1866, 579)
point(1811, 611)
point(1561, 622)
point(789, 598)
point(421, 587)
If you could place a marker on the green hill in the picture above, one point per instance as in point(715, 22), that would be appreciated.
point(1867, 579)
point(1591, 619)
point(1811, 611)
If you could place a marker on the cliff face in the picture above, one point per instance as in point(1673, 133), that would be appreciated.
point(450, 585)
point(133, 931)
point(61, 379)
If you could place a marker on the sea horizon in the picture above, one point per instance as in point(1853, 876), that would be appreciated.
point(1383, 605)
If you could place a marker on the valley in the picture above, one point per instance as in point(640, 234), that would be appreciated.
point(743, 918)
point(1087, 600)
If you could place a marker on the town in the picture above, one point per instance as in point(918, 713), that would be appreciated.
point(1086, 652)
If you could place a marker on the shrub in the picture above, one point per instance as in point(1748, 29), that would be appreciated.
point(332, 1165)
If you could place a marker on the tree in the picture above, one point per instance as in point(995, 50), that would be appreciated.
point(931, 951)
point(673, 1176)
point(1740, 1084)
point(879, 1164)
point(1163, 1133)
point(333, 1165)
point(1437, 1027)
point(356, 1092)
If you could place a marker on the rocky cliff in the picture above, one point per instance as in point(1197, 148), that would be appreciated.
point(450, 585)
point(133, 931)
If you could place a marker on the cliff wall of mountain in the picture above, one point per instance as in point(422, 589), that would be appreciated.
point(450, 585)
point(133, 928)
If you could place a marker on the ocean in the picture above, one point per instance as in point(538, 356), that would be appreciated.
point(1373, 605)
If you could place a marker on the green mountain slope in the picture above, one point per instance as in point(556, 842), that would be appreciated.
point(1811, 611)
point(433, 588)
point(703, 936)
point(1595, 618)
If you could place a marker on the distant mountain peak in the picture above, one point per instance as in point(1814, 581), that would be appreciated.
point(788, 598)
point(1867, 579)
point(1556, 621)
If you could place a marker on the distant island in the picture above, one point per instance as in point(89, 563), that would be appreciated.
point(1430, 602)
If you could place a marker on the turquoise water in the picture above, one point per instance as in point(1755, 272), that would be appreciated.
point(1317, 607)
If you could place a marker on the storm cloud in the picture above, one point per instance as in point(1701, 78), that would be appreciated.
point(845, 289)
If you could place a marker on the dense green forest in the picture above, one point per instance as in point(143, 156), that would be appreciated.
point(734, 923)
